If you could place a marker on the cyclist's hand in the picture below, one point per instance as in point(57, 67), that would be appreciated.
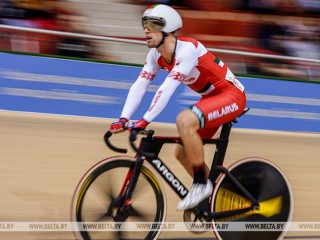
point(138, 126)
point(119, 126)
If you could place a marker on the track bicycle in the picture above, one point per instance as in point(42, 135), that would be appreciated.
point(125, 189)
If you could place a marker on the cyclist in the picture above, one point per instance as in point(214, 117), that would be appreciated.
point(188, 62)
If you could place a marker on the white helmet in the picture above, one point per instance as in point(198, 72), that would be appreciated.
point(169, 17)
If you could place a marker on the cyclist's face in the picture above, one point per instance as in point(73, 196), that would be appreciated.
point(152, 38)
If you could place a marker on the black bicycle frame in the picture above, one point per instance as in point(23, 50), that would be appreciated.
point(154, 145)
point(149, 149)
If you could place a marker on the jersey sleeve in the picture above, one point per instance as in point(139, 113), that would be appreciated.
point(139, 87)
point(185, 60)
point(161, 98)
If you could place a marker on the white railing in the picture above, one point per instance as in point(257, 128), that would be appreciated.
point(122, 40)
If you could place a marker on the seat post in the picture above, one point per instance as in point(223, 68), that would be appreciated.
point(221, 149)
point(226, 129)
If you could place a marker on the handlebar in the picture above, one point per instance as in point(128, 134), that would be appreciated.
point(132, 139)
point(106, 140)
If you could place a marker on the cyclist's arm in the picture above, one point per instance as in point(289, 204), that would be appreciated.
point(139, 87)
point(188, 60)
point(161, 98)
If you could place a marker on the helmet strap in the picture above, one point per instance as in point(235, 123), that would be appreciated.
point(164, 35)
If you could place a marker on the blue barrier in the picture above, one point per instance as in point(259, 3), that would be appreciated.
point(58, 86)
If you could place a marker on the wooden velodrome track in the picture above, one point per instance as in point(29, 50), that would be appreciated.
point(44, 156)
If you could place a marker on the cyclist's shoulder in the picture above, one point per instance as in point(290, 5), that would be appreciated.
point(190, 46)
point(191, 40)
point(153, 52)
point(153, 56)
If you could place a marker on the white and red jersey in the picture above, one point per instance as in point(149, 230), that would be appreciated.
point(191, 64)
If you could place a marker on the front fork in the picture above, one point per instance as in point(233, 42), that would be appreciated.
point(121, 207)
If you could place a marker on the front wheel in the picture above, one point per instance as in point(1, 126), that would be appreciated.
point(268, 184)
point(97, 200)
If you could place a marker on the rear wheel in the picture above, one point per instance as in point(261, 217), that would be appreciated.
point(267, 183)
point(95, 202)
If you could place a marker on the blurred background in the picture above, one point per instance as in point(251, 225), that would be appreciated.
point(278, 27)
point(37, 147)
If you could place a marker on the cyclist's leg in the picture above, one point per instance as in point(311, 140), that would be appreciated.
point(205, 117)
point(182, 157)
point(210, 112)
point(221, 108)
point(188, 126)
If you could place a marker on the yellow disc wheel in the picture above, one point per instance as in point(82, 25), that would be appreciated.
point(266, 182)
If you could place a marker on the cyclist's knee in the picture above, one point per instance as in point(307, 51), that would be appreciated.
point(187, 122)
